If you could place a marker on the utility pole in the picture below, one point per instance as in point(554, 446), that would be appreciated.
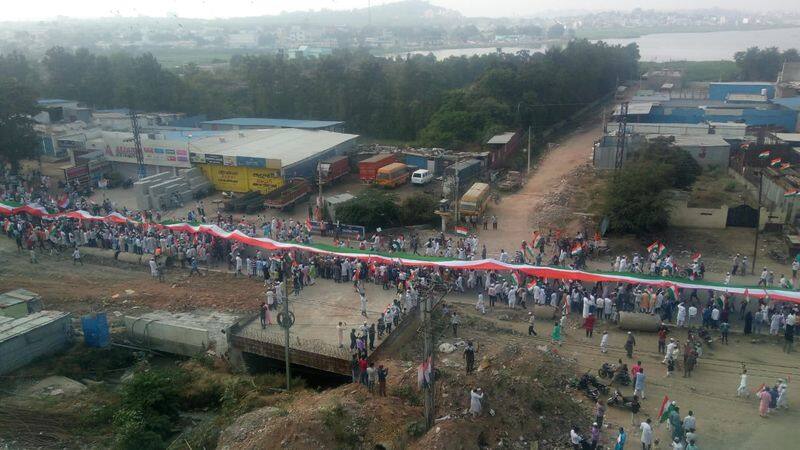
point(429, 387)
point(530, 132)
point(286, 320)
point(758, 220)
point(457, 169)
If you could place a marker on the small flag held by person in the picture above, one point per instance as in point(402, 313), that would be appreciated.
point(462, 231)
point(308, 224)
point(764, 154)
point(652, 247)
point(576, 250)
point(696, 257)
point(791, 193)
point(775, 162)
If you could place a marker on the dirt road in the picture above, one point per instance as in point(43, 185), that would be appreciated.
point(724, 421)
point(519, 213)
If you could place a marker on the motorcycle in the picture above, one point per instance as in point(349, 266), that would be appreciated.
point(591, 386)
point(622, 401)
point(610, 370)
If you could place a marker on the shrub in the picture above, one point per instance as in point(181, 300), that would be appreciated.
point(730, 186)
point(346, 428)
point(407, 394)
point(373, 208)
point(418, 210)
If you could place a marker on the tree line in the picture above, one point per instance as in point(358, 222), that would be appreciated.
point(765, 64)
point(450, 102)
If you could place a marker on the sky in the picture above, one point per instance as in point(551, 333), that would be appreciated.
point(208, 9)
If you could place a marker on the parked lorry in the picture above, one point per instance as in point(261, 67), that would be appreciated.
point(393, 175)
point(474, 201)
point(286, 196)
point(368, 168)
point(332, 169)
point(466, 171)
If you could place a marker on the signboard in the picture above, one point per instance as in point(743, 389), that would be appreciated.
point(157, 156)
point(198, 158)
point(213, 159)
point(228, 160)
point(249, 161)
point(344, 230)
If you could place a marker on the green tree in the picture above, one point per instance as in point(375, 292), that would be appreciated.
point(635, 201)
point(18, 140)
point(757, 64)
point(373, 208)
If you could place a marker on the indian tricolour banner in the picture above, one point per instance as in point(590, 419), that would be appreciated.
point(410, 260)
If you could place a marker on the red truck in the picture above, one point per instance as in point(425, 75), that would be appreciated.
point(288, 195)
point(334, 168)
point(368, 168)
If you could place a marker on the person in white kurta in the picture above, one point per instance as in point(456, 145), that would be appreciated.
point(604, 342)
point(476, 397)
point(742, 390)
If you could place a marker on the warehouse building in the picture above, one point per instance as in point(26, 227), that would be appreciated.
point(33, 336)
point(260, 160)
point(258, 123)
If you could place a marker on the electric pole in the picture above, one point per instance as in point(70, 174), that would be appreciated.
point(286, 320)
point(429, 391)
point(530, 131)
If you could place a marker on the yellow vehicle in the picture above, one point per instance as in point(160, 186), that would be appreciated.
point(393, 175)
point(473, 202)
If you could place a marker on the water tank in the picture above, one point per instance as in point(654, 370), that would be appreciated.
point(764, 92)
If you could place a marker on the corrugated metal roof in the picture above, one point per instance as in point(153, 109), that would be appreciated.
point(788, 137)
point(501, 139)
point(289, 145)
point(16, 327)
point(636, 108)
point(710, 140)
point(275, 123)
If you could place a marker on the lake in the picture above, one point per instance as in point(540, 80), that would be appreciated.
point(712, 46)
point(709, 46)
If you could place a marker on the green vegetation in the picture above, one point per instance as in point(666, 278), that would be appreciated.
point(635, 199)
point(452, 102)
point(18, 140)
point(380, 208)
point(346, 428)
point(763, 64)
point(698, 70)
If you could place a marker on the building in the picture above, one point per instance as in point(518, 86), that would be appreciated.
point(261, 160)
point(19, 303)
point(709, 150)
point(789, 80)
point(24, 339)
point(763, 114)
point(501, 147)
point(655, 79)
point(722, 91)
point(257, 123)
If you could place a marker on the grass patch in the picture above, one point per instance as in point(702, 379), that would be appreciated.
point(408, 394)
point(346, 428)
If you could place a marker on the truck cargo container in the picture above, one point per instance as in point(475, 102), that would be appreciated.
point(368, 168)
point(334, 168)
point(393, 175)
point(433, 164)
point(468, 171)
point(473, 202)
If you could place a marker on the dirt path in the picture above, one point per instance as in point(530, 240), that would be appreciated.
point(724, 421)
point(518, 213)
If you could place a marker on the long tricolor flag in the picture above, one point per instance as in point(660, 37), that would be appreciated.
point(652, 247)
point(764, 154)
point(791, 193)
point(775, 162)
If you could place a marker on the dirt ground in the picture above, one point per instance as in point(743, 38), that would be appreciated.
point(724, 421)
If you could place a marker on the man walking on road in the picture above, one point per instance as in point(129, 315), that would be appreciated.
point(629, 344)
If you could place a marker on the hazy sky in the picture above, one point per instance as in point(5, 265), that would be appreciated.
point(40, 9)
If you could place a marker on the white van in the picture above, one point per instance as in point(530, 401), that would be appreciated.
point(421, 176)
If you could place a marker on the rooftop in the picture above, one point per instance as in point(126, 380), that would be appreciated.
point(636, 108)
point(710, 140)
point(501, 139)
point(289, 145)
point(788, 137)
point(744, 83)
point(12, 328)
point(273, 123)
